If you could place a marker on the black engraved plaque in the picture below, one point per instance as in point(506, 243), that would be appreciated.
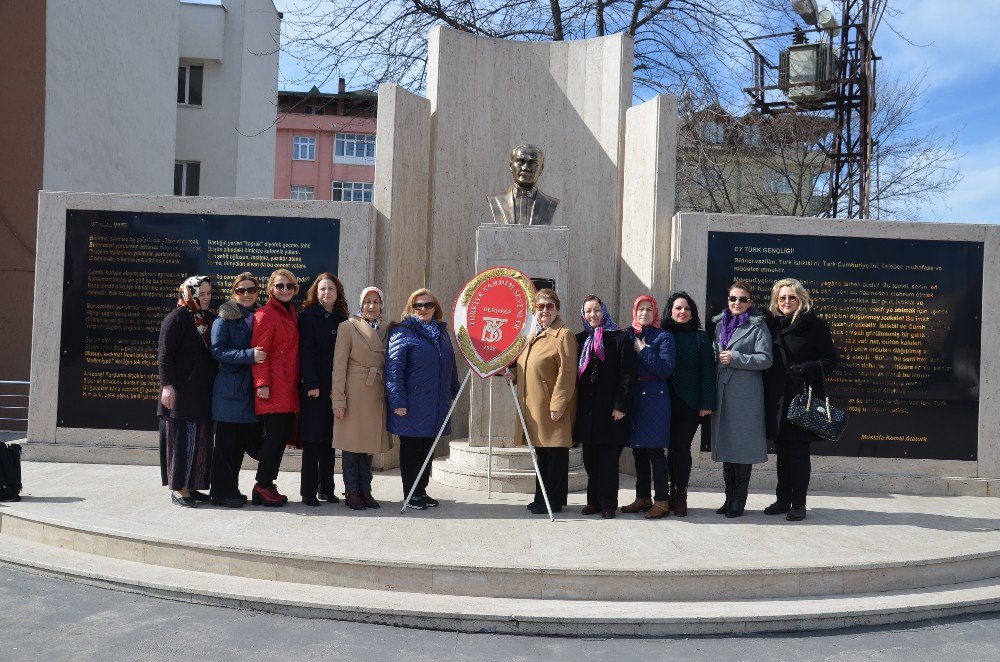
point(906, 317)
point(121, 277)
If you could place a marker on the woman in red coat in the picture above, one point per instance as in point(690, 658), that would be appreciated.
point(276, 331)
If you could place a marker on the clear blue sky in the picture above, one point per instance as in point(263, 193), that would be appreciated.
point(958, 48)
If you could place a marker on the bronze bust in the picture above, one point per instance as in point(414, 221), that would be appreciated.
point(523, 203)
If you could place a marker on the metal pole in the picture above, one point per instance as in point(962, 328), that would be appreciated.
point(489, 442)
point(531, 448)
point(427, 460)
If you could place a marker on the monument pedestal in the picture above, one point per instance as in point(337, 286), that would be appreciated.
point(540, 252)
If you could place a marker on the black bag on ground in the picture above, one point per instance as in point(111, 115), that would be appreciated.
point(10, 472)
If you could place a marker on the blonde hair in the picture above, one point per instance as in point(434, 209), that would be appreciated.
point(274, 276)
point(423, 291)
point(805, 301)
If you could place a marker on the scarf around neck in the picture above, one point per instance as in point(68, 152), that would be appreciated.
point(594, 344)
point(732, 322)
point(189, 299)
point(431, 328)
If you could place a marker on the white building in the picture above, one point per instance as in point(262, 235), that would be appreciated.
point(92, 101)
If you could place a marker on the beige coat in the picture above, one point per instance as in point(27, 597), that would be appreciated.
point(359, 387)
point(546, 381)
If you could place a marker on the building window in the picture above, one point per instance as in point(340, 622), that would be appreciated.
point(352, 192)
point(712, 132)
point(357, 148)
point(186, 176)
point(303, 149)
point(303, 193)
point(189, 78)
point(778, 182)
point(312, 110)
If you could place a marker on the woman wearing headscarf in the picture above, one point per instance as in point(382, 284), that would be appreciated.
point(546, 389)
point(276, 381)
point(743, 347)
point(359, 397)
point(187, 373)
point(237, 427)
point(605, 376)
point(692, 391)
point(421, 380)
point(650, 430)
point(803, 354)
point(323, 311)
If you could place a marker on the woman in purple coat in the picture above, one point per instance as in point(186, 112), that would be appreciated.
point(421, 380)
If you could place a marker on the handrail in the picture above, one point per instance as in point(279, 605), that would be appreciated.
point(18, 411)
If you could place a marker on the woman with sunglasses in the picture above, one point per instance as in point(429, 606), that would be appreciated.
point(803, 353)
point(743, 349)
point(605, 376)
point(276, 380)
point(546, 389)
point(692, 391)
point(237, 427)
point(323, 311)
point(421, 380)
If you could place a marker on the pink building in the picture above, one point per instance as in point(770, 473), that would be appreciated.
point(325, 145)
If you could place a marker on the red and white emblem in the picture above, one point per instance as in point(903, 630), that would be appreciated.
point(493, 319)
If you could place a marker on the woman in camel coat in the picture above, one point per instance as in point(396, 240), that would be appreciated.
point(546, 389)
point(359, 397)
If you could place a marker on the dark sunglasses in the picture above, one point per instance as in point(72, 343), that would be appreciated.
point(733, 299)
point(424, 306)
point(246, 290)
point(284, 286)
point(545, 306)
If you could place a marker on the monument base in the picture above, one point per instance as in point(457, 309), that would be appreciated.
point(465, 467)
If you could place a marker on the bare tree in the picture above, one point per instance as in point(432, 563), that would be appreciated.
point(679, 44)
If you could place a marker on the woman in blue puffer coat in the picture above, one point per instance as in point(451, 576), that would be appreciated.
point(650, 433)
point(421, 380)
point(237, 427)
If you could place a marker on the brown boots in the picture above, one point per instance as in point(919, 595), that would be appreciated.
point(680, 503)
point(658, 510)
point(638, 506)
point(355, 501)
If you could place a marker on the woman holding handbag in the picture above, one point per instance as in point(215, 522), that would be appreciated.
point(803, 352)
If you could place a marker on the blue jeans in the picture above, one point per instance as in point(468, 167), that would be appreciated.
point(357, 471)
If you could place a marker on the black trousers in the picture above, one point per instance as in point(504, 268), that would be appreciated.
point(651, 465)
point(318, 462)
point(553, 464)
point(679, 454)
point(272, 447)
point(231, 441)
point(412, 453)
point(794, 467)
point(601, 463)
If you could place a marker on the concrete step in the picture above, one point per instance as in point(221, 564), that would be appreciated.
point(504, 459)
point(555, 616)
point(720, 579)
point(462, 477)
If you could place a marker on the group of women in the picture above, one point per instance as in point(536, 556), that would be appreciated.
point(268, 376)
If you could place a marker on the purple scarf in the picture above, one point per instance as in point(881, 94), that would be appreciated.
point(732, 322)
point(594, 344)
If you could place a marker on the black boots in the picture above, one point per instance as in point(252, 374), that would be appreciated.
point(741, 488)
point(729, 476)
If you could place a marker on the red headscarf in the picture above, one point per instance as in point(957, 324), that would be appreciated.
point(635, 313)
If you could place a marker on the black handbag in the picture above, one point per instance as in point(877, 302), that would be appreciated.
point(10, 472)
point(817, 416)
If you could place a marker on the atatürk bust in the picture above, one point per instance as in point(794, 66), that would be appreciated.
point(523, 203)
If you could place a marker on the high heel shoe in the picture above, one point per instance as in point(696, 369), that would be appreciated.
point(267, 495)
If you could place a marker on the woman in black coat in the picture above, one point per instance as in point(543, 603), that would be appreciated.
point(803, 352)
point(324, 309)
point(187, 374)
point(605, 379)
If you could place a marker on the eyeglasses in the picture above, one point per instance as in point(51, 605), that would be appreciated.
point(545, 306)
point(284, 286)
point(424, 306)
point(245, 290)
point(733, 299)
point(788, 297)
